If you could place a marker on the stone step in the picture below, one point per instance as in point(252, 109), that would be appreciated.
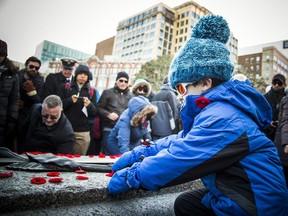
point(18, 194)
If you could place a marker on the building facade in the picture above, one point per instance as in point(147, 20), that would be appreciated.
point(265, 60)
point(48, 51)
point(104, 48)
point(160, 30)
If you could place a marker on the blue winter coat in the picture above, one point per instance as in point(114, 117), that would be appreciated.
point(224, 146)
point(127, 133)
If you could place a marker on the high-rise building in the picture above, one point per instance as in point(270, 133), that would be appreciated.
point(159, 30)
point(48, 51)
point(265, 60)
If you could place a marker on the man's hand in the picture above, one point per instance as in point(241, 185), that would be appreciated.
point(113, 116)
point(29, 87)
point(286, 149)
point(86, 101)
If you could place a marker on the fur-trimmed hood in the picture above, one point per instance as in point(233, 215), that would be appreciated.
point(139, 106)
point(141, 82)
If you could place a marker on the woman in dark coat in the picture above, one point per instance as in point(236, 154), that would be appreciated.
point(9, 96)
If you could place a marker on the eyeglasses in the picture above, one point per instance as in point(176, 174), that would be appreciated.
point(276, 82)
point(126, 81)
point(50, 116)
point(143, 88)
point(182, 87)
point(32, 67)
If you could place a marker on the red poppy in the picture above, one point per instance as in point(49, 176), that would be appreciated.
point(6, 174)
point(77, 155)
point(53, 174)
point(80, 171)
point(202, 102)
point(67, 85)
point(117, 155)
point(110, 174)
point(55, 180)
point(112, 156)
point(82, 177)
point(38, 180)
point(91, 92)
point(101, 155)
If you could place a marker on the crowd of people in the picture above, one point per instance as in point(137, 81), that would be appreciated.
point(226, 132)
point(83, 121)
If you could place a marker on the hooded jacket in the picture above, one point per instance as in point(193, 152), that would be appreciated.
point(128, 132)
point(223, 144)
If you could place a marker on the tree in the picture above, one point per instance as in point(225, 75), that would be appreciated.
point(258, 82)
point(155, 71)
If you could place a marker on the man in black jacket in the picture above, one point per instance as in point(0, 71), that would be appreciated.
point(111, 104)
point(55, 82)
point(274, 97)
point(31, 86)
point(48, 129)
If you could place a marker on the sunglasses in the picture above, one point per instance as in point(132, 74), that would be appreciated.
point(32, 67)
point(279, 83)
point(121, 81)
point(143, 88)
point(182, 87)
point(50, 116)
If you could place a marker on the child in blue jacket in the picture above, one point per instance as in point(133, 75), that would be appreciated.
point(131, 128)
point(222, 141)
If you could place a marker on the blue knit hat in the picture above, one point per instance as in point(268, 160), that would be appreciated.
point(205, 54)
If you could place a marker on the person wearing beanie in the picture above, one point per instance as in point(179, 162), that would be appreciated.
point(111, 105)
point(79, 104)
point(54, 82)
point(274, 97)
point(141, 87)
point(222, 141)
point(9, 97)
point(131, 127)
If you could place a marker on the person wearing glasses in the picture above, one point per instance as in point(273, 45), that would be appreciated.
point(111, 105)
point(48, 129)
point(141, 87)
point(55, 82)
point(274, 97)
point(9, 96)
point(31, 84)
point(222, 141)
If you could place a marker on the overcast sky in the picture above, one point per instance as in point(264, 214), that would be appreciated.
point(80, 24)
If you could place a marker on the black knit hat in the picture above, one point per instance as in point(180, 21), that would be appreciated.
point(3, 48)
point(82, 69)
point(122, 74)
point(279, 77)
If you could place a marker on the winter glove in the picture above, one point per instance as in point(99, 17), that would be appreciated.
point(124, 180)
point(136, 155)
point(118, 183)
point(29, 87)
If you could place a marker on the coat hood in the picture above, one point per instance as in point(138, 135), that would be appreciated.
point(141, 82)
point(243, 96)
point(138, 107)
